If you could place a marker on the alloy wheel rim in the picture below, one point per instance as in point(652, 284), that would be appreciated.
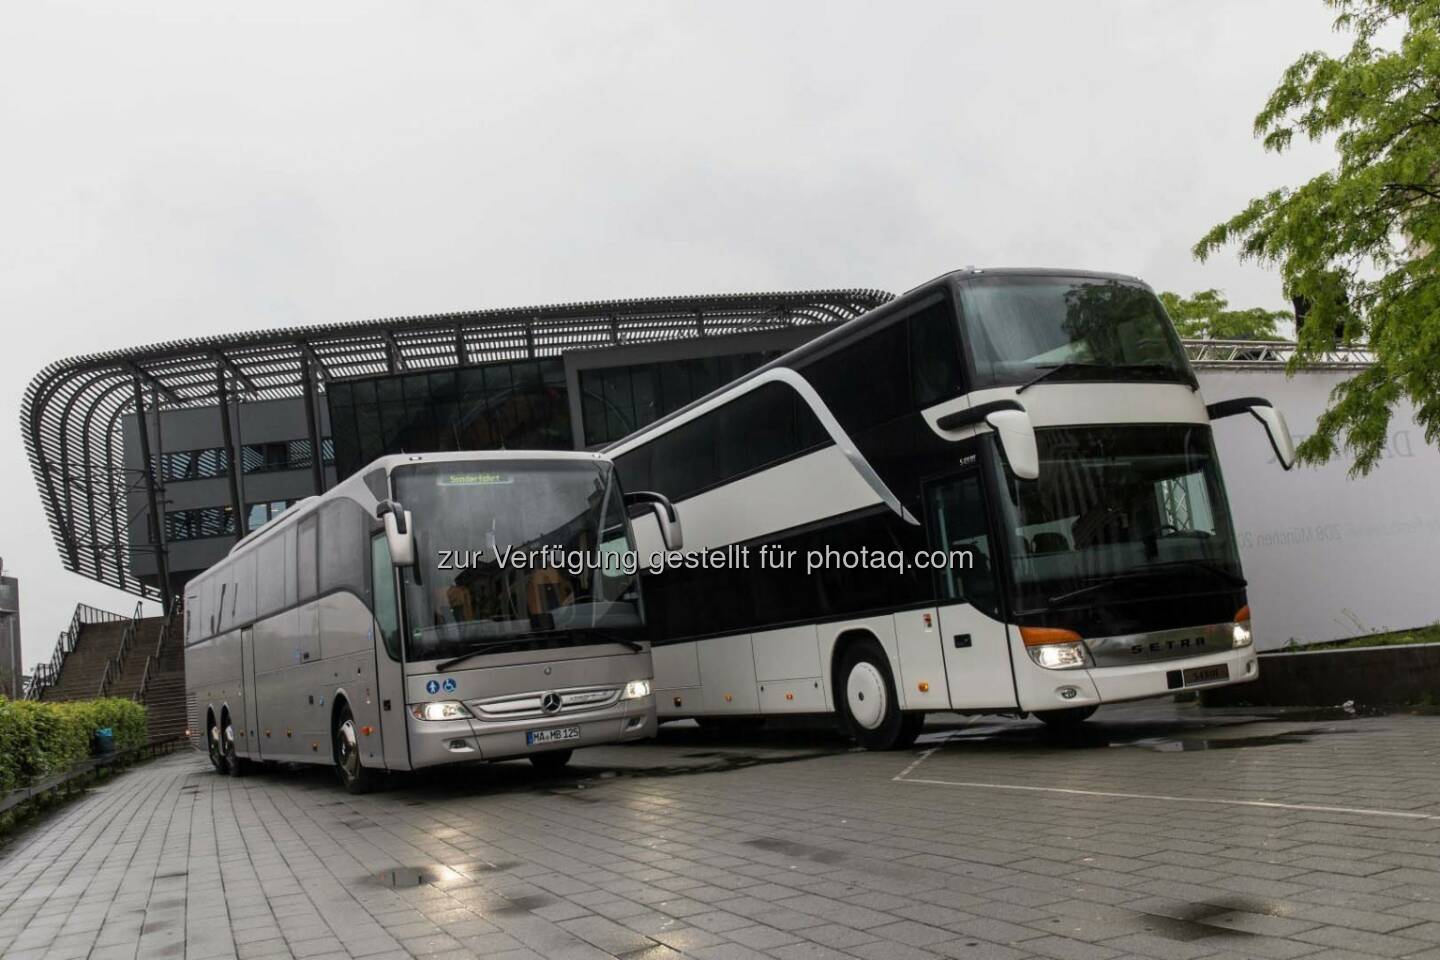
point(214, 745)
point(349, 755)
point(866, 695)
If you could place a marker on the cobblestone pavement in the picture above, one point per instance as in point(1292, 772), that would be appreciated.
point(1161, 833)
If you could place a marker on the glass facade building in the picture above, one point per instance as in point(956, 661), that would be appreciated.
point(499, 406)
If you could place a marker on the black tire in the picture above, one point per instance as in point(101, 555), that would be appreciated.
point(345, 748)
point(866, 701)
point(212, 746)
point(235, 765)
point(1066, 719)
point(911, 724)
point(551, 761)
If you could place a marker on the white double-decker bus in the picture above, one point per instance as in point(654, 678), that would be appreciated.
point(997, 493)
point(375, 627)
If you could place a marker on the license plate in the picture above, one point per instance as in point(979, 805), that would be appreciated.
point(1196, 675)
point(555, 735)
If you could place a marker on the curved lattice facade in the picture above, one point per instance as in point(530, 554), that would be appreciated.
point(74, 412)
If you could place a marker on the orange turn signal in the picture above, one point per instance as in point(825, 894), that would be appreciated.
point(367, 730)
point(1242, 614)
point(1039, 636)
point(923, 686)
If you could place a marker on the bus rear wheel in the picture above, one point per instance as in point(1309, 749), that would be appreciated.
point(356, 777)
point(1066, 719)
point(235, 765)
point(212, 746)
point(867, 702)
point(551, 761)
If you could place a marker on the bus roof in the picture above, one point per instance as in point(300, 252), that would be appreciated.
point(355, 483)
point(852, 328)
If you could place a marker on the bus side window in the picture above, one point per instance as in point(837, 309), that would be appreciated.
point(934, 354)
point(305, 559)
point(382, 579)
point(956, 510)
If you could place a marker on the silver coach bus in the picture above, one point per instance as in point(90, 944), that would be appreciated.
point(374, 628)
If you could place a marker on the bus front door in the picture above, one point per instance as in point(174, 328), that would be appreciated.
point(976, 645)
point(389, 665)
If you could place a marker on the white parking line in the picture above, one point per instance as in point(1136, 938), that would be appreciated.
point(904, 777)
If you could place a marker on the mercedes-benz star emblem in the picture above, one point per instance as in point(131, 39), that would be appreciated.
point(550, 703)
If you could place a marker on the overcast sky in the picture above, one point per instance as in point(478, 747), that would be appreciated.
point(178, 169)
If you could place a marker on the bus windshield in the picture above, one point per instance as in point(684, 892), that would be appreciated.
point(1118, 512)
point(484, 580)
point(1067, 328)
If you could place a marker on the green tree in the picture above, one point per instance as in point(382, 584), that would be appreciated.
point(1206, 314)
point(1360, 244)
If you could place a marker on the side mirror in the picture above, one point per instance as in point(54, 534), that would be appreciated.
point(1271, 419)
point(1017, 439)
point(665, 516)
point(1012, 426)
point(399, 536)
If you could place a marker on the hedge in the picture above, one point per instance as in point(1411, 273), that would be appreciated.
point(38, 739)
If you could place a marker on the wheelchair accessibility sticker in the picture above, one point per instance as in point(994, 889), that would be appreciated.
point(449, 684)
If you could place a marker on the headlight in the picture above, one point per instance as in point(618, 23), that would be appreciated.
point(1054, 648)
point(1059, 656)
point(636, 689)
point(1241, 632)
point(439, 710)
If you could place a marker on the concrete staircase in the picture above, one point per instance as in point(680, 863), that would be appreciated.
point(165, 691)
point(152, 669)
point(83, 667)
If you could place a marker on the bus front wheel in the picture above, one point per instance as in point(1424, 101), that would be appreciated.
point(868, 704)
point(356, 777)
point(1066, 719)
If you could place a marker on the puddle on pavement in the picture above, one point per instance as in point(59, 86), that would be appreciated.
point(1186, 744)
point(792, 848)
point(1198, 920)
point(524, 904)
point(399, 878)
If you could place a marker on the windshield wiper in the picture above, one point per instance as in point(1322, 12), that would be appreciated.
point(1234, 579)
point(1165, 371)
point(1147, 570)
point(501, 642)
point(489, 646)
point(1098, 585)
point(1051, 371)
point(612, 637)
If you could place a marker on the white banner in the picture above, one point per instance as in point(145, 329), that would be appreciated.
point(1328, 557)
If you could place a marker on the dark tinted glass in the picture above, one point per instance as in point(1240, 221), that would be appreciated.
point(865, 382)
point(764, 426)
point(1070, 328)
point(934, 354)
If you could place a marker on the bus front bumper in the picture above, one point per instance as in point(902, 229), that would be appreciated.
point(434, 742)
point(1042, 689)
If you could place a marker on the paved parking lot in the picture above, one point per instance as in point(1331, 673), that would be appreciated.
point(1164, 832)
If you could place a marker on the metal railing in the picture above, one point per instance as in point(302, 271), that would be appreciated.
point(153, 659)
point(1272, 353)
point(48, 674)
point(81, 772)
point(116, 664)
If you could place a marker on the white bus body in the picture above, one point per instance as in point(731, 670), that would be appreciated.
point(1044, 423)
